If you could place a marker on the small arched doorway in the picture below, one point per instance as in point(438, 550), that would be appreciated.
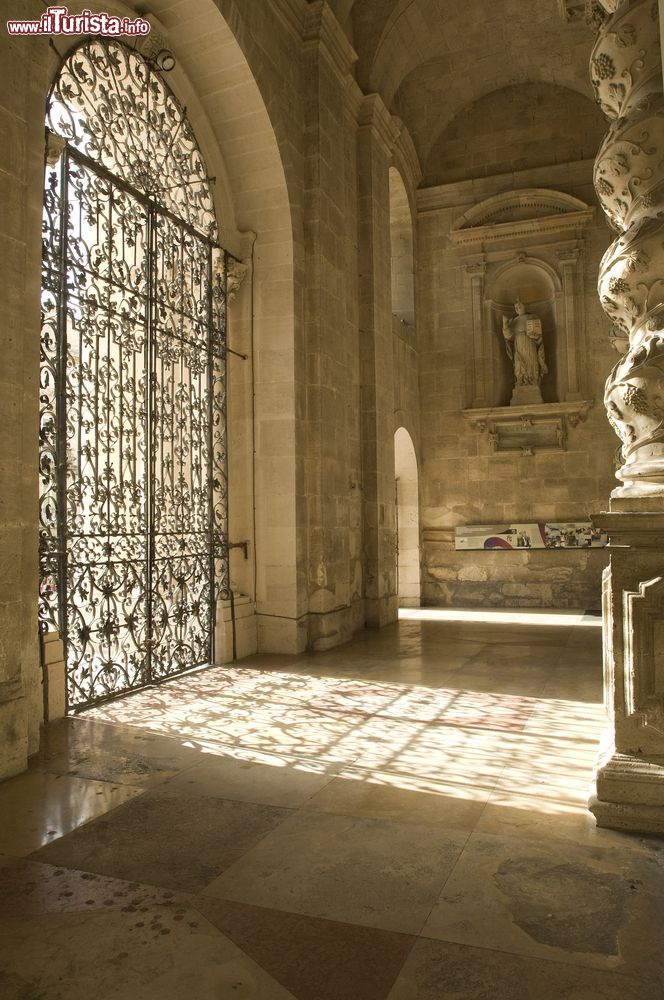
point(407, 520)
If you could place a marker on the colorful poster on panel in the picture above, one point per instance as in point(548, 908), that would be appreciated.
point(533, 535)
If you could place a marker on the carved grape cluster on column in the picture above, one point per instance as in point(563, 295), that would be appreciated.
point(626, 73)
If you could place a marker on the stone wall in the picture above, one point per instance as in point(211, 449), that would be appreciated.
point(462, 481)
point(21, 172)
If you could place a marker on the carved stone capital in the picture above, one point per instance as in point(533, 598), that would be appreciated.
point(475, 269)
point(374, 115)
point(55, 144)
point(235, 275)
point(569, 257)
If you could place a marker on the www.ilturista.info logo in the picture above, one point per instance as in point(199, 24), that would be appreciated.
point(58, 21)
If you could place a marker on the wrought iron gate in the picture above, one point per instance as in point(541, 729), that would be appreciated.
point(133, 433)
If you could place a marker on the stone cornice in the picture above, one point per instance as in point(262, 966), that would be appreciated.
point(292, 14)
point(637, 529)
point(459, 194)
point(322, 30)
point(570, 222)
point(374, 115)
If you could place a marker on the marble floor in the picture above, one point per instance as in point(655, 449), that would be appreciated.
point(400, 818)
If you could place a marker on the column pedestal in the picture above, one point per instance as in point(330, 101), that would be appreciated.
point(629, 781)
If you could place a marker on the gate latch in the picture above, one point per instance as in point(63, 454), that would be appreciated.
point(240, 545)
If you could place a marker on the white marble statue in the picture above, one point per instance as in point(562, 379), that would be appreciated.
point(525, 346)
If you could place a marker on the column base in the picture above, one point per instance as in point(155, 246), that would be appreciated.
point(629, 794)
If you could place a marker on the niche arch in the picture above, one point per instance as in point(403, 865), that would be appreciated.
point(537, 285)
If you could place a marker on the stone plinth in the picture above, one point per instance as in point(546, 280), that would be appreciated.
point(629, 784)
point(526, 395)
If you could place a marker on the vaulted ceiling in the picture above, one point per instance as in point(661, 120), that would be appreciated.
point(431, 59)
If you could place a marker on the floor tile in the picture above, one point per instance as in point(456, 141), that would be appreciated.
point(38, 808)
point(388, 796)
point(264, 778)
point(440, 971)
point(558, 901)
point(142, 945)
point(545, 818)
point(315, 959)
point(128, 755)
point(177, 842)
point(355, 870)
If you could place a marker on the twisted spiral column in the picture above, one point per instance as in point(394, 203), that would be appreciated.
point(626, 73)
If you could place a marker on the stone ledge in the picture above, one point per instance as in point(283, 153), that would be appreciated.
point(526, 429)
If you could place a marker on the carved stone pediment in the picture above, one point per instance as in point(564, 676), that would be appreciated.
point(528, 212)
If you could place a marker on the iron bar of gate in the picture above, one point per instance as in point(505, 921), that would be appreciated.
point(148, 464)
point(60, 408)
point(210, 462)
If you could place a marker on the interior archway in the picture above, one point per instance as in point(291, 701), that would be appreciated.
point(408, 520)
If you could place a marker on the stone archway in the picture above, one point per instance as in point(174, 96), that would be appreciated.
point(226, 106)
point(408, 520)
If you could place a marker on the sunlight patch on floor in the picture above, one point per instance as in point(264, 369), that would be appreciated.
point(501, 616)
point(438, 741)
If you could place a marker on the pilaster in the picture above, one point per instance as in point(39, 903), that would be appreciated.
point(629, 791)
point(478, 361)
point(570, 265)
point(377, 135)
point(333, 567)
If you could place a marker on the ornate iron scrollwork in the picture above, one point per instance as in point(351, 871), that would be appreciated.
point(133, 381)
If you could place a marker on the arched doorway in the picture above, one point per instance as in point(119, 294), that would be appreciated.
point(408, 520)
point(133, 529)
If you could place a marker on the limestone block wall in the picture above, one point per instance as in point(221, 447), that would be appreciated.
point(462, 481)
point(21, 171)
point(333, 566)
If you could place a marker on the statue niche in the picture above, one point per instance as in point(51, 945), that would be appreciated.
point(521, 310)
point(525, 349)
